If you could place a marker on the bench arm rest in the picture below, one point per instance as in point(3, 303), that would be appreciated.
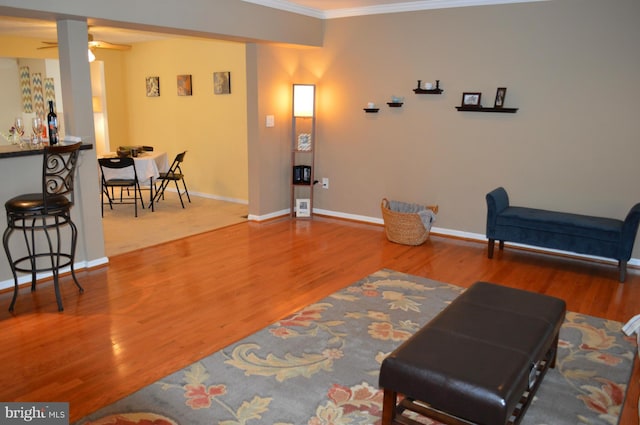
point(497, 201)
point(629, 231)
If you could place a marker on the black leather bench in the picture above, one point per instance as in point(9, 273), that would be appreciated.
point(479, 361)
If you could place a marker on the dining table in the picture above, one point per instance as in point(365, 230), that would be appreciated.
point(148, 164)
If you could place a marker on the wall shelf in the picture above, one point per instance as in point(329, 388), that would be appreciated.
point(481, 109)
point(371, 110)
point(434, 90)
point(395, 104)
point(428, 91)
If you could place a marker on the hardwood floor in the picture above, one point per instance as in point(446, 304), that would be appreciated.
point(153, 311)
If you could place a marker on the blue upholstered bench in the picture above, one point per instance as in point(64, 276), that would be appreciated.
point(582, 234)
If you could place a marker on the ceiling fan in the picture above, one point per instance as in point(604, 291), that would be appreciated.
point(93, 44)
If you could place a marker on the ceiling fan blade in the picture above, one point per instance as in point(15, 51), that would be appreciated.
point(106, 45)
point(93, 44)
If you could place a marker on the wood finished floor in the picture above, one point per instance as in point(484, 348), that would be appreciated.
point(153, 311)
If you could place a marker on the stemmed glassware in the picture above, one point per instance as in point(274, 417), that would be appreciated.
point(36, 127)
point(19, 126)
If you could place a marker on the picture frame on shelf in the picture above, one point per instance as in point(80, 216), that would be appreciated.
point(152, 86)
point(184, 85)
point(303, 208)
point(471, 99)
point(500, 95)
point(304, 142)
point(222, 82)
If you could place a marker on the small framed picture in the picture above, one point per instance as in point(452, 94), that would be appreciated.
point(304, 142)
point(222, 82)
point(471, 99)
point(153, 86)
point(303, 208)
point(184, 85)
point(500, 94)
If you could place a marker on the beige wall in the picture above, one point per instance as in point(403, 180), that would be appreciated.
point(274, 70)
point(570, 66)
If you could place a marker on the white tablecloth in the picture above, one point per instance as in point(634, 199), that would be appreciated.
point(148, 165)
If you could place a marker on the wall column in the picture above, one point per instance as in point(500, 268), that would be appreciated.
point(75, 82)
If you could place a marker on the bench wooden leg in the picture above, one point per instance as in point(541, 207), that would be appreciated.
point(389, 406)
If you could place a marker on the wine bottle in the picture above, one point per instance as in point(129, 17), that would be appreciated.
point(52, 124)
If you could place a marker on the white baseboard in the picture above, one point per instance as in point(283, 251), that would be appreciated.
point(634, 262)
point(26, 278)
point(210, 196)
point(269, 216)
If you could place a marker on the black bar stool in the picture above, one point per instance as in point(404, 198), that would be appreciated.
point(46, 211)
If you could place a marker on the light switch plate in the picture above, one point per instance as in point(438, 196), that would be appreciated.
point(270, 121)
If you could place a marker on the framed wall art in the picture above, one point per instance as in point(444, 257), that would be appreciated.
point(471, 99)
point(25, 89)
point(153, 86)
point(303, 207)
point(500, 94)
point(184, 85)
point(222, 82)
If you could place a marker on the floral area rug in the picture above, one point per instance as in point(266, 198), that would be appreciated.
point(320, 366)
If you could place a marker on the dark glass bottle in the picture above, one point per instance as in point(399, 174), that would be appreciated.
point(52, 124)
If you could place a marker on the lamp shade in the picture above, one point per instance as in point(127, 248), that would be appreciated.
point(303, 100)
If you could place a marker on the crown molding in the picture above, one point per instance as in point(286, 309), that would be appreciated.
point(290, 7)
point(410, 6)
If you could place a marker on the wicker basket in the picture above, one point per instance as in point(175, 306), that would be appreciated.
point(404, 228)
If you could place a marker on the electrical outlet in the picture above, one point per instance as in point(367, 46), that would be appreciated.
point(325, 183)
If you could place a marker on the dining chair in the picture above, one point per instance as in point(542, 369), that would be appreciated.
point(175, 175)
point(40, 217)
point(126, 178)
